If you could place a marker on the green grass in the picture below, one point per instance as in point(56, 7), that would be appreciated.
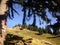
point(31, 34)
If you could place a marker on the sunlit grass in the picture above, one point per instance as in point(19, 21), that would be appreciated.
point(31, 34)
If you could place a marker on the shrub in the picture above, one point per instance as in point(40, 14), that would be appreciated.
point(46, 31)
point(23, 26)
point(40, 31)
point(35, 28)
point(49, 31)
point(29, 27)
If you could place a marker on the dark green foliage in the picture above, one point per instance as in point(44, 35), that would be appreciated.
point(35, 28)
point(55, 32)
point(32, 28)
point(40, 31)
point(55, 27)
point(49, 31)
point(58, 31)
point(28, 27)
point(23, 26)
point(46, 31)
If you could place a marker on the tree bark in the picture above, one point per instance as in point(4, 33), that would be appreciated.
point(34, 20)
point(3, 20)
point(24, 16)
point(3, 28)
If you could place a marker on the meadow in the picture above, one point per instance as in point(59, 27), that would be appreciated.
point(32, 37)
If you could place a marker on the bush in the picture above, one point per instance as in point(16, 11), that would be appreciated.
point(40, 31)
point(29, 27)
point(49, 31)
point(44, 31)
point(23, 26)
point(33, 28)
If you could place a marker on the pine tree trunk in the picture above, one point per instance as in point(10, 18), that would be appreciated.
point(34, 20)
point(3, 20)
point(24, 16)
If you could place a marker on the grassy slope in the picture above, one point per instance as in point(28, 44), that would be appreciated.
point(31, 34)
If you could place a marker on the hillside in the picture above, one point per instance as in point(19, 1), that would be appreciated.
point(31, 37)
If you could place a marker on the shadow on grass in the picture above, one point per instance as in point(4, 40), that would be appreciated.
point(16, 40)
point(53, 37)
point(38, 34)
point(12, 39)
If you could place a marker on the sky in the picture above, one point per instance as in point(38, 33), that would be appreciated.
point(18, 18)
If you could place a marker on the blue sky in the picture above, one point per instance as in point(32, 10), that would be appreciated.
point(18, 18)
